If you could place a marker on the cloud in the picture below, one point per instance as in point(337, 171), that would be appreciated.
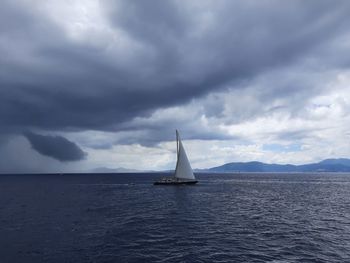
point(56, 76)
point(106, 73)
point(56, 147)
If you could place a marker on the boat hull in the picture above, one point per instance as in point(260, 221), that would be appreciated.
point(175, 182)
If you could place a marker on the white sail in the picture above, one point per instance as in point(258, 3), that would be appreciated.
point(183, 167)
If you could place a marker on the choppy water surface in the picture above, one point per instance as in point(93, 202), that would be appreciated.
point(225, 218)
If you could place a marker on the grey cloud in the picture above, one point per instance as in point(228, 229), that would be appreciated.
point(51, 82)
point(56, 147)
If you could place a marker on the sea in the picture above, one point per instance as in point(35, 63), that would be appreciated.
point(237, 217)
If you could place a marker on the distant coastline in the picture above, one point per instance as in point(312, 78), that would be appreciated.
point(340, 165)
point(327, 165)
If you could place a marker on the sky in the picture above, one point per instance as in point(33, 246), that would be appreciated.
point(89, 84)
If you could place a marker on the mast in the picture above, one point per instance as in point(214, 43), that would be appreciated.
point(177, 144)
point(177, 152)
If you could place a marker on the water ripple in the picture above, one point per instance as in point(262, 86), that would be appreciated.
point(225, 218)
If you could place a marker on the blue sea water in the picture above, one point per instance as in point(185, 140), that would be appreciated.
point(224, 218)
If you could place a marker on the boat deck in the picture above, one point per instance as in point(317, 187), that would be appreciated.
point(173, 181)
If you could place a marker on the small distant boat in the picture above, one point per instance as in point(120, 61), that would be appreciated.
point(183, 171)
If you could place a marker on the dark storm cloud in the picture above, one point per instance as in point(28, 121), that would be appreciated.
point(175, 52)
point(56, 147)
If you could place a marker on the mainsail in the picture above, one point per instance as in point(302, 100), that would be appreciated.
point(183, 167)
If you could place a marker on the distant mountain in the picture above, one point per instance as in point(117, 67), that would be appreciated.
point(342, 161)
point(328, 165)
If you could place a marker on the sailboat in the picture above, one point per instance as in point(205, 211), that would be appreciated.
point(183, 171)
